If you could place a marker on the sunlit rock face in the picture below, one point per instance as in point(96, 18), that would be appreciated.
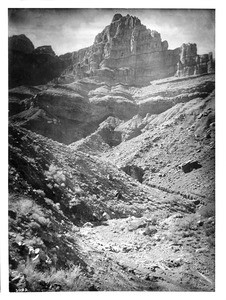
point(191, 63)
point(126, 52)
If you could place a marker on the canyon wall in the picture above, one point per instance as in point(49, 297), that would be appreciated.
point(190, 63)
point(124, 52)
point(127, 52)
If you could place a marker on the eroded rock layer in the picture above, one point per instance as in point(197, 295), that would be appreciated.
point(127, 52)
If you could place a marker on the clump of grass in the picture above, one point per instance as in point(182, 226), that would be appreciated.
point(40, 219)
point(72, 279)
point(34, 242)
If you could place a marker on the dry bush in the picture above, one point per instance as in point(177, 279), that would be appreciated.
point(208, 210)
point(41, 219)
point(69, 279)
point(54, 174)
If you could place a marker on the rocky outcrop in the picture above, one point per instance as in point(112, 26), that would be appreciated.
point(125, 51)
point(21, 43)
point(67, 113)
point(135, 172)
point(191, 63)
point(190, 166)
point(30, 66)
point(44, 50)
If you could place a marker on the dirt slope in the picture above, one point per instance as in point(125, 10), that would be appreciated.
point(129, 207)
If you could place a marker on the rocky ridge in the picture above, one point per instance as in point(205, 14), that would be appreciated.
point(29, 65)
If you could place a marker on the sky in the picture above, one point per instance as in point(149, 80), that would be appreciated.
point(68, 30)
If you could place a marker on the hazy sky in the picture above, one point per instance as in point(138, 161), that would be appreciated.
point(68, 30)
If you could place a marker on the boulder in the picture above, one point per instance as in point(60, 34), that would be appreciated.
point(135, 172)
point(190, 166)
point(150, 231)
point(137, 223)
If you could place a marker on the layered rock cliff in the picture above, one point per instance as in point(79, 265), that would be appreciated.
point(124, 52)
point(127, 52)
point(190, 63)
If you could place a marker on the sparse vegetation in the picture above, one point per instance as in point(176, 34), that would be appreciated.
point(208, 210)
point(71, 279)
point(77, 222)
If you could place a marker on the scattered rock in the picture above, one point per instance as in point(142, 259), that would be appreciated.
point(135, 224)
point(150, 231)
point(12, 214)
point(106, 216)
point(200, 223)
point(201, 250)
point(88, 224)
point(190, 166)
point(92, 288)
point(196, 202)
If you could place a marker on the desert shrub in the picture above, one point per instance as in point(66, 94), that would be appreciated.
point(49, 201)
point(211, 241)
point(40, 219)
point(24, 206)
point(19, 238)
point(40, 193)
point(34, 226)
point(210, 230)
point(71, 279)
point(187, 224)
point(34, 242)
point(54, 174)
point(208, 210)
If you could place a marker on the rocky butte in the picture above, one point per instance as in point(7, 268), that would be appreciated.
point(127, 52)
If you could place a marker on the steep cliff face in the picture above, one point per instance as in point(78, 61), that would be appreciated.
point(125, 51)
point(191, 63)
point(97, 82)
